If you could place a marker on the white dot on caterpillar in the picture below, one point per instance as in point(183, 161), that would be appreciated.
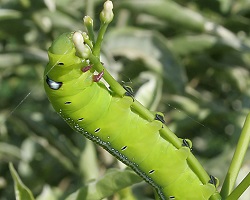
point(150, 181)
point(108, 137)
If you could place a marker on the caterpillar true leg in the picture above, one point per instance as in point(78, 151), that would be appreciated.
point(97, 78)
point(86, 68)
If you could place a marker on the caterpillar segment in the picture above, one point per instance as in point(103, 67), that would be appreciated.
point(90, 108)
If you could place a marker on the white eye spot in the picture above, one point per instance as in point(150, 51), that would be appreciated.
point(53, 84)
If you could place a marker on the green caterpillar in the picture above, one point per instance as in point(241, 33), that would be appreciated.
point(112, 121)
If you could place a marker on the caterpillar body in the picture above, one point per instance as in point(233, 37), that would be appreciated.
point(111, 121)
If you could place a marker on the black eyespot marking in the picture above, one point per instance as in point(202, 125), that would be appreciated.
point(80, 119)
point(171, 197)
point(67, 102)
point(160, 118)
point(53, 84)
point(213, 180)
point(123, 148)
point(60, 63)
point(151, 171)
point(129, 92)
point(97, 130)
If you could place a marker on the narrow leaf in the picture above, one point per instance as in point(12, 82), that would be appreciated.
point(152, 49)
point(9, 14)
point(149, 94)
point(113, 181)
point(21, 191)
point(168, 10)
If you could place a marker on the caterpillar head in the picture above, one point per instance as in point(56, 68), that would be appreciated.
point(62, 45)
point(64, 62)
point(63, 55)
point(62, 52)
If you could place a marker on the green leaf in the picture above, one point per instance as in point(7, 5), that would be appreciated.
point(91, 170)
point(168, 10)
point(9, 14)
point(21, 191)
point(49, 193)
point(226, 5)
point(9, 150)
point(182, 17)
point(152, 49)
point(186, 44)
point(113, 181)
point(149, 94)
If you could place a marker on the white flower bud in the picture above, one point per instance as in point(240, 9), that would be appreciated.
point(107, 14)
point(82, 49)
point(88, 21)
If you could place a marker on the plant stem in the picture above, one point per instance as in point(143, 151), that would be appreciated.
point(238, 191)
point(88, 22)
point(237, 160)
point(116, 87)
point(97, 47)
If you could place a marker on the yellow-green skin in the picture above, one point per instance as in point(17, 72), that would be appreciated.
point(91, 109)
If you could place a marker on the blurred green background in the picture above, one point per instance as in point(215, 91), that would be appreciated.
point(187, 59)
